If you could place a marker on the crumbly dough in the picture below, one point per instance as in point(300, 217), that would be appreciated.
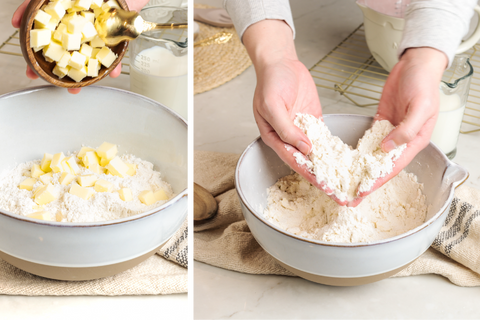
point(297, 206)
point(346, 171)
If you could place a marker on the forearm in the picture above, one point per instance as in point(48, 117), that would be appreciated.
point(268, 42)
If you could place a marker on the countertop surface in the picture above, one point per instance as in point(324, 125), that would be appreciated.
point(79, 307)
point(224, 122)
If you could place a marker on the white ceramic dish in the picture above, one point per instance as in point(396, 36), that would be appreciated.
point(41, 119)
point(339, 263)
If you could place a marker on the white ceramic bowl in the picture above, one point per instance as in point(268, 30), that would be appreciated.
point(41, 119)
point(344, 264)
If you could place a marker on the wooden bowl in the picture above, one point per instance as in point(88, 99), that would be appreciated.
point(42, 68)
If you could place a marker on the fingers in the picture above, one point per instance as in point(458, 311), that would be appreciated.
point(30, 74)
point(117, 71)
point(74, 90)
point(17, 16)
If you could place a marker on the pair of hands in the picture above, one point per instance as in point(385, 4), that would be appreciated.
point(136, 5)
point(410, 98)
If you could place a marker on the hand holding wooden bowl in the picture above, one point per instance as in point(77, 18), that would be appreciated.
point(44, 69)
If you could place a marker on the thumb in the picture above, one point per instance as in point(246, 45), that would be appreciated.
point(290, 133)
point(17, 16)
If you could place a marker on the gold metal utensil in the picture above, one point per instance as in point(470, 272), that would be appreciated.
point(117, 25)
point(219, 38)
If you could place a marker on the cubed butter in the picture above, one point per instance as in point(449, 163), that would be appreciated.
point(104, 162)
point(89, 32)
point(132, 169)
point(90, 16)
point(46, 178)
point(27, 184)
point(45, 194)
point(92, 68)
point(86, 50)
point(66, 178)
point(74, 9)
point(36, 171)
point(103, 186)
point(40, 37)
point(46, 161)
point(160, 194)
point(56, 163)
point(96, 4)
point(97, 42)
point(84, 150)
point(77, 60)
point(96, 168)
point(77, 75)
point(117, 167)
point(41, 215)
point(76, 24)
point(94, 52)
point(87, 180)
point(106, 56)
point(55, 9)
point(57, 34)
point(67, 4)
point(81, 192)
point(63, 63)
point(90, 158)
point(58, 216)
point(72, 164)
point(109, 4)
point(71, 42)
point(84, 4)
point(54, 51)
point(107, 150)
point(125, 194)
point(146, 197)
point(42, 17)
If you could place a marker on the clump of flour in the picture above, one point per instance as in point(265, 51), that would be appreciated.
point(297, 206)
point(102, 206)
point(346, 171)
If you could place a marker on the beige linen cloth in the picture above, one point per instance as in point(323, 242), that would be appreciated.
point(226, 241)
point(163, 273)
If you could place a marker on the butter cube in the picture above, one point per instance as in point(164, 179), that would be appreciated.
point(107, 150)
point(72, 164)
point(56, 164)
point(36, 49)
point(160, 194)
point(86, 50)
point(36, 171)
point(27, 184)
point(64, 60)
point(74, 9)
point(46, 178)
point(109, 4)
point(92, 68)
point(97, 42)
point(94, 52)
point(96, 4)
point(41, 215)
point(84, 4)
point(84, 150)
point(66, 178)
point(54, 51)
point(42, 17)
point(106, 56)
point(58, 216)
point(117, 167)
point(89, 32)
point(90, 16)
point(68, 17)
point(97, 12)
point(96, 168)
point(77, 60)
point(71, 41)
point(104, 162)
point(60, 72)
point(46, 161)
point(132, 169)
point(45, 194)
point(51, 25)
point(146, 197)
point(125, 194)
point(87, 180)
point(90, 158)
point(81, 192)
point(76, 24)
point(61, 29)
point(65, 167)
point(55, 9)
point(67, 4)
point(77, 75)
point(40, 37)
point(103, 186)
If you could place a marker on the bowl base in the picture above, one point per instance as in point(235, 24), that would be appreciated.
point(76, 274)
point(342, 282)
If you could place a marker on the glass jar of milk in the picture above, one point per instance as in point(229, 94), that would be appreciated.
point(158, 60)
point(454, 90)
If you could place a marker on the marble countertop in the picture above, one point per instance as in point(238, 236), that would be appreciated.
point(222, 294)
point(79, 307)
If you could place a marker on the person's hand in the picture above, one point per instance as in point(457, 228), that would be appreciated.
point(284, 88)
point(410, 101)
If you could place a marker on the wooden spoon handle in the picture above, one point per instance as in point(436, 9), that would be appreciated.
point(205, 205)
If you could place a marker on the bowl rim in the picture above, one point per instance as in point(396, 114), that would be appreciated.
point(424, 225)
point(166, 205)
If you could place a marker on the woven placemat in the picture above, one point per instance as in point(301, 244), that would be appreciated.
point(217, 63)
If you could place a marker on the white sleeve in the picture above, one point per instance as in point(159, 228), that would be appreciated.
point(439, 24)
point(247, 12)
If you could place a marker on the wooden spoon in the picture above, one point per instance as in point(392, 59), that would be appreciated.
point(42, 68)
point(205, 205)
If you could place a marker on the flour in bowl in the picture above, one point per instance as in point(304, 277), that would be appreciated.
point(346, 171)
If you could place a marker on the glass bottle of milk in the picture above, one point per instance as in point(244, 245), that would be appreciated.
point(159, 60)
point(454, 90)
